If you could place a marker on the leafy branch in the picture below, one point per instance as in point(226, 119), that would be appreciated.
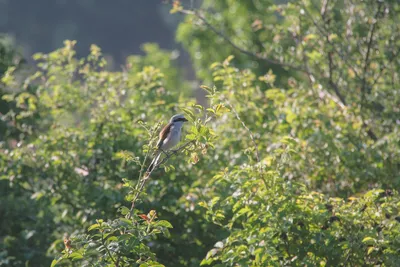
point(106, 248)
point(322, 29)
point(237, 47)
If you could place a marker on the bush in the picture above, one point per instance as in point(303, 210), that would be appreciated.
point(294, 161)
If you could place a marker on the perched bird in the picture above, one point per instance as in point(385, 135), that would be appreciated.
point(169, 137)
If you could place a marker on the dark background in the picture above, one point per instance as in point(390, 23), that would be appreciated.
point(118, 27)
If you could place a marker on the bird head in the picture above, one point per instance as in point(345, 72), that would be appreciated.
point(178, 118)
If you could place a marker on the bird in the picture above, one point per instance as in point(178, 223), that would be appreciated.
point(169, 137)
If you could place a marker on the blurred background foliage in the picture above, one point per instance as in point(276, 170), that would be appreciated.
point(294, 160)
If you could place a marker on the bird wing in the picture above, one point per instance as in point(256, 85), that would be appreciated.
point(164, 134)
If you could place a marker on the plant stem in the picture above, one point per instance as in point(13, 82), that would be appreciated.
point(105, 246)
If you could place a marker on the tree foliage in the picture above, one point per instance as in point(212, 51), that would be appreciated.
point(295, 160)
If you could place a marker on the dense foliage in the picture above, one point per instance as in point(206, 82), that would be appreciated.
point(294, 162)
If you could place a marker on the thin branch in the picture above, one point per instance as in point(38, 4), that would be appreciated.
point(369, 46)
point(324, 93)
point(324, 8)
point(335, 87)
point(153, 133)
point(365, 69)
point(253, 140)
point(324, 33)
point(94, 159)
point(393, 57)
point(331, 66)
point(298, 68)
point(240, 49)
point(337, 92)
point(143, 163)
point(341, 101)
point(149, 172)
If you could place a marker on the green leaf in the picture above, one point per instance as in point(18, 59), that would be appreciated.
point(191, 137)
point(206, 261)
point(243, 211)
point(219, 215)
point(151, 264)
point(310, 36)
point(288, 140)
point(76, 256)
point(189, 113)
point(54, 262)
point(210, 110)
point(369, 240)
point(214, 201)
point(164, 223)
point(370, 250)
point(94, 226)
point(156, 264)
point(212, 66)
point(166, 232)
point(112, 238)
point(290, 117)
point(124, 210)
point(125, 222)
point(228, 59)
point(203, 204)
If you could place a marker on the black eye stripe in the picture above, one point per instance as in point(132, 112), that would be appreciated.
point(180, 119)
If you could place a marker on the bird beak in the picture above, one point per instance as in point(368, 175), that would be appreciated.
point(184, 119)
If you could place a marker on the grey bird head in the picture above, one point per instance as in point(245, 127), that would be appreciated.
point(178, 118)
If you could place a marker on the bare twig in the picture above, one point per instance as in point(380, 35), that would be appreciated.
point(148, 152)
point(253, 140)
point(144, 163)
point(149, 172)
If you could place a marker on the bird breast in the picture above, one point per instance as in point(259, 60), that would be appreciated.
point(173, 138)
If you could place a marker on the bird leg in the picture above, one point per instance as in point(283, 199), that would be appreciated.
point(174, 151)
point(166, 154)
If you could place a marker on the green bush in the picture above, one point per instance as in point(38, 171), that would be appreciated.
point(294, 161)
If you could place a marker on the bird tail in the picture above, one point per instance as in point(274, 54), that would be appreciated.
point(154, 162)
